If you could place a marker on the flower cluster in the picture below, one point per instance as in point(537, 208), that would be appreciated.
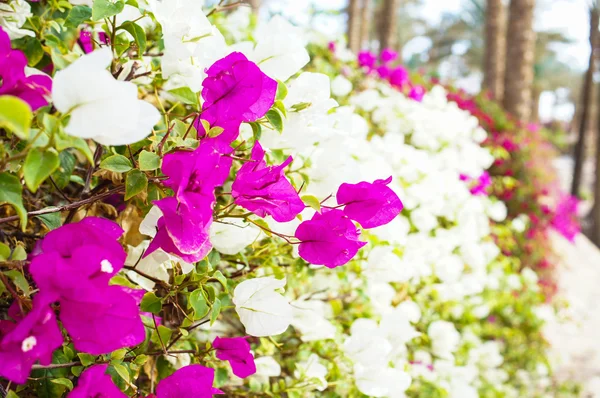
point(203, 211)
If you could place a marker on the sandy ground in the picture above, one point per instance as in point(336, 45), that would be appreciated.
point(575, 338)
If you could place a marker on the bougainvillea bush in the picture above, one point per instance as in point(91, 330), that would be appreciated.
point(188, 212)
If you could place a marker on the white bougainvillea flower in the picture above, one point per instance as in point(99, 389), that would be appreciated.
point(444, 338)
point(313, 372)
point(279, 50)
point(232, 235)
point(309, 318)
point(13, 14)
point(262, 310)
point(101, 108)
point(154, 265)
point(266, 367)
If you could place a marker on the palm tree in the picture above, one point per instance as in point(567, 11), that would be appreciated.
point(353, 26)
point(365, 19)
point(388, 24)
point(495, 48)
point(586, 101)
point(520, 53)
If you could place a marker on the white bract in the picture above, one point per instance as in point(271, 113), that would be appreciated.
point(262, 310)
point(232, 235)
point(100, 107)
point(13, 14)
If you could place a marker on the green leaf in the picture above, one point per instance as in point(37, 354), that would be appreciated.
point(119, 354)
point(121, 370)
point(15, 115)
point(149, 160)
point(164, 333)
point(216, 310)
point(311, 201)
point(4, 252)
point(12, 394)
point(31, 47)
point(51, 220)
point(105, 8)
point(67, 141)
point(19, 253)
point(138, 33)
point(135, 182)
point(279, 105)
point(141, 359)
point(151, 303)
point(63, 381)
point(116, 163)
point(263, 225)
point(19, 280)
point(215, 131)
point(39, 165)
point(10, 192)
point(86, 359)
point(221, 377)
point(282, 90)
point(256, 130)
point(276, 119)
point(197, 301)
point(77, 16)
point(185, 95)
point(221, 278)
point(65, 170)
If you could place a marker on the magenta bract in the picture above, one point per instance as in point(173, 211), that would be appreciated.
point(265, 190)
point(329, 238)
point(236, 350)
point(95, 382)
point(32, 89)
point(189, 381)
point(370, 204)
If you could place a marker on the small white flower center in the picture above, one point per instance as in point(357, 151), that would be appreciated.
point(106, 266)
point(28, 344)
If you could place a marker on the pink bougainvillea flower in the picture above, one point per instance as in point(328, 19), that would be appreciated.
point(388, 55)
point(332, 46)
point(367, 59)
point(234, 91)
point(183, 230)
point(383, 71)
point(95, 382)
point(33, 89)
point(416, 93)
point(236, 350)
point(85, 41)
point(189, 381)
point(104, 323)
point(565, 219)
point(399, 77)
point(33, 338)
point(74, 265)
point(370, 204)
point(265, 190)
point(483, 183)
point(329, 238)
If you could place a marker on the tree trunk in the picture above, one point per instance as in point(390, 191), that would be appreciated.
point(536, 92)
point(255, 4)
point(520, 52)
point(354, 25)
point(595, 234)
point(365, 23)
point(586, 104)
point(495, 48)
point(388, 21)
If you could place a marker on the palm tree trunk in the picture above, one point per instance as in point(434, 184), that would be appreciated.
point(354, 25)
point(595, 234)
point(520, 53)
point(586, 103)
point(495, 48)
point(365, 19)
point(388, 27)
point(536, 92)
